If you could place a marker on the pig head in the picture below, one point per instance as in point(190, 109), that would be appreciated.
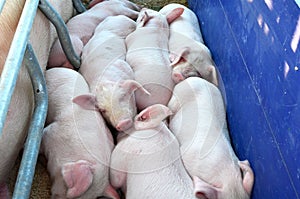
point(146, 160)
point(110, 77)
point(190, 58)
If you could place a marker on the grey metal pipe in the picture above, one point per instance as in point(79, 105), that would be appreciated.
point(62, 32)
point(35, 133)
point(2, 2)
point(14, 58)
point(79, 7)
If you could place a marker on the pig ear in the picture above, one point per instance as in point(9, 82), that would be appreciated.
point(174, 14)
point(151, 116)
point(94, 2)
point(78, 177)
point(133, 85)
point(213, 75)
point(248, 176)
point(143, 19)
point(87, 101)
point(111, 192)
point(203, 189)
point(179, 56)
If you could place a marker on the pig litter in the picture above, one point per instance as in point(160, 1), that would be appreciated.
point(170, 54)
point(41, 184)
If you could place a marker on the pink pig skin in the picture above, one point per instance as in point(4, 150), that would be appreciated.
point(110, 78)
point(82, 26)
point(148, 55)
point(146, 160)
point(21, 107)
point(199, 123)
point(76, 142)
point(187, 24)
point(188, 54)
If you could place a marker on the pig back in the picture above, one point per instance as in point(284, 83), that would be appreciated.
point(147, 54)
point(186, 24)
point(74, 133)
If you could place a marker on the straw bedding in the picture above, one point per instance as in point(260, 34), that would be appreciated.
point(41, 184)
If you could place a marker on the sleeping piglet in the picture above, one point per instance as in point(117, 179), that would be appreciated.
point(199, 123)
point(146, 161)
point(110, 78)
point(188, 54)
point(76, 142)
point(148, 56)
point(82, 26)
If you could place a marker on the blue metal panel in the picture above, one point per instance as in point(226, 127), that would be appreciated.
point(255, 45)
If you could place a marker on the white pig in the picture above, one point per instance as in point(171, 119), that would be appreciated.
point(148, 55)
point(110, 78)
point(186, 24)
point(188, 54)
point(146, 161)
point(199, 123)
point(20, 110)
point(82, 26)
point(76, 142)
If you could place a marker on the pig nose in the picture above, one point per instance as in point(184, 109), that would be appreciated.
point(177, 77)
point(123, 125)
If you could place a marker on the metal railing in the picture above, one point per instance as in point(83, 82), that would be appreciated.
point(21, 48)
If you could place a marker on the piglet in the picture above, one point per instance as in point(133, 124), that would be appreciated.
point(76, 142)
point(110, 78)
point(188, 54)
point(186, 24)
point(82, 26)
point(148, 55)
point(146, 161)
point(199, 123)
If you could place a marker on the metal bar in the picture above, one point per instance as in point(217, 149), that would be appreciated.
point(62, 32)
point(2, 2)
point(79, 7)
point(33, 141)
point(14, 58)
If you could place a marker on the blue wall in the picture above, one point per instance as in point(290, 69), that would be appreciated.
point(256, 47)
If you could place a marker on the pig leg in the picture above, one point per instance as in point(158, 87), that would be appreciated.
point(111, 193)
point(118, 174)
point(248, 175)
point(4, 192)
point(78, 177)
point(117, 178)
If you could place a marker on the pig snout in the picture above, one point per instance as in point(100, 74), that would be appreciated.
point(179, 74)
point(177, 77)
point(124, 125)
